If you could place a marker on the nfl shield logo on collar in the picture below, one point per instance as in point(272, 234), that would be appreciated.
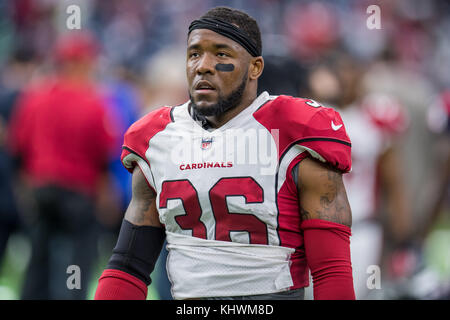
point(206, 143)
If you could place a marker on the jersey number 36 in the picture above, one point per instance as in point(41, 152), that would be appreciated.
point(225, 221)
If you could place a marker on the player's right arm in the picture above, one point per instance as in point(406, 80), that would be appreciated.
point(142, 208)
point(326, 222)
point(141, 237)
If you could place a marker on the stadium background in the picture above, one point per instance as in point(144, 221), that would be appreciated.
point(141, 61)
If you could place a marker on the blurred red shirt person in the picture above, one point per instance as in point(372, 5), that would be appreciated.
point(64, 137)
point(61, 129)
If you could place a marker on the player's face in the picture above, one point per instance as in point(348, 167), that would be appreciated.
point(217, 72)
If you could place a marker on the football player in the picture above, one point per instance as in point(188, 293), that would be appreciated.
point(247, 190)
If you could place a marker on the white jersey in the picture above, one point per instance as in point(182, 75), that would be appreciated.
point(370, 127)
point(368, 145)
point(225, 197)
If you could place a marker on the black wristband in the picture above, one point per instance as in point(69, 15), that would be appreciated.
point(137, 250)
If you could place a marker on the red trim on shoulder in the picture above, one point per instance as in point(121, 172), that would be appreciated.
point(138, 135)
point(295, 121)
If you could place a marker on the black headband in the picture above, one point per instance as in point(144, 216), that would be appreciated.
point(228, 30)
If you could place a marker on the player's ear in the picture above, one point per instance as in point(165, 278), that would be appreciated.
point(256, 67)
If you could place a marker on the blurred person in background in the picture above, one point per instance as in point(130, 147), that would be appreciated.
point(399, 73)
point(424, 280)
point(62, 135)
point(415, 274)
point(439, 207)
point(164, 79)
point(16, 74)
point(374, 122)
point(438, 120)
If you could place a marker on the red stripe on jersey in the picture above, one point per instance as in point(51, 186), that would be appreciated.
point(289, 226)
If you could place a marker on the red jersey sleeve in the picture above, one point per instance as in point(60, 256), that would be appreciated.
point(326, 139)
point(318, 130)
point(137, 137)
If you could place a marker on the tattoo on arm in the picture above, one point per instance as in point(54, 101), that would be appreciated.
point(334, 205)
point(329, 198)
point(305, 214)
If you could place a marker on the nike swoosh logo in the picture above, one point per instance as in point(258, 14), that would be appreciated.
point(335, 127)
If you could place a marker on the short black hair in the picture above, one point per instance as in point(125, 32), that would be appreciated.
point(240, 19)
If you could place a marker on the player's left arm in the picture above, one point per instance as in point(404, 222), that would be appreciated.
point(392, 181)
point(326, 222)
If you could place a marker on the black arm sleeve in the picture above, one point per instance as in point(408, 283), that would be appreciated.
point(137, 250)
